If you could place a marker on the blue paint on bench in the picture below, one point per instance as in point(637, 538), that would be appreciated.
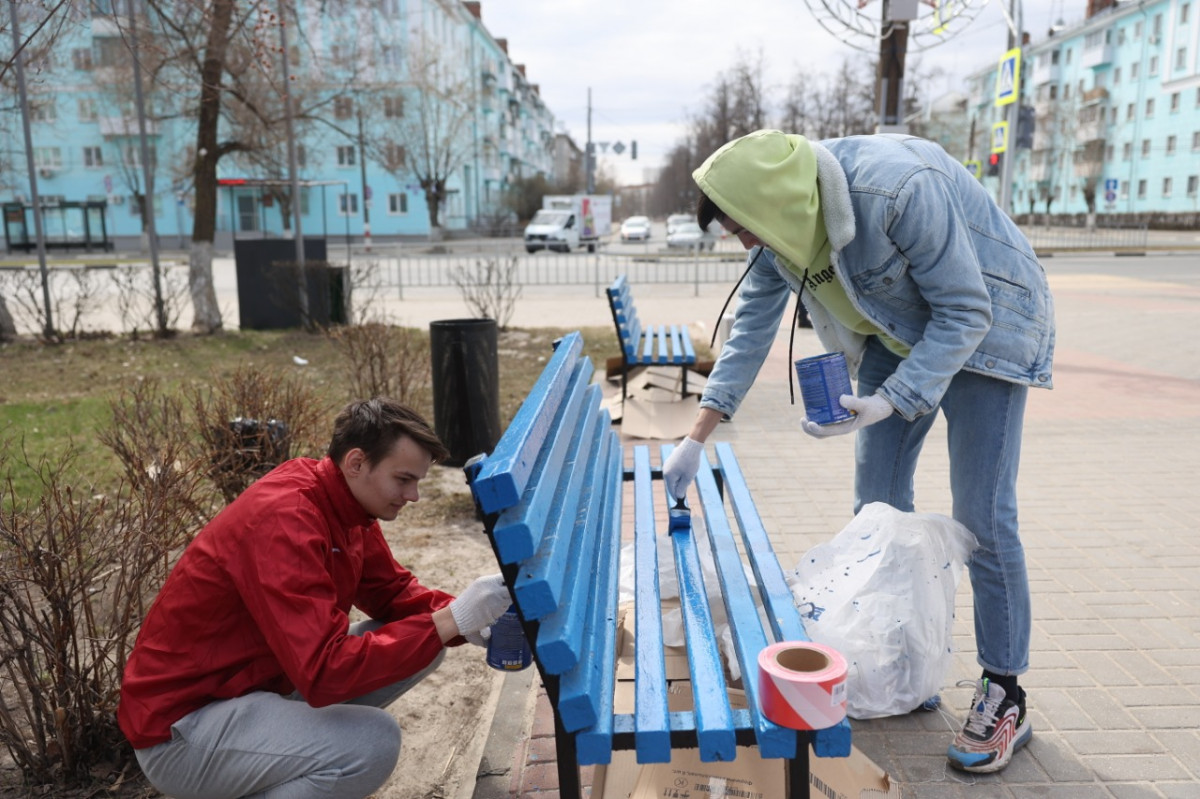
point(553, 493)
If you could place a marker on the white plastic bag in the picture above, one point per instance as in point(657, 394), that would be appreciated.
point(881, 592)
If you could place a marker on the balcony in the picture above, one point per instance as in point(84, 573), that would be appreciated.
point(1045, 72)
point(1098, 56)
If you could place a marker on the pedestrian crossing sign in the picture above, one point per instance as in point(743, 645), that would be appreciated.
point(1000, 137)
point(1008, 76)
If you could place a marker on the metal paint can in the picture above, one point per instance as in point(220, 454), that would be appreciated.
point(508, 649)
point(823, 379)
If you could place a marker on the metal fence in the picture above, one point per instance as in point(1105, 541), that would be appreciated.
point(395, 270)
point(1045, 237)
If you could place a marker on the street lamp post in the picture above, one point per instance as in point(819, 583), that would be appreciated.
point(305, 318)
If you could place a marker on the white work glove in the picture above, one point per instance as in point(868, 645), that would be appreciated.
point(478, 607)
point(682, 464)
point(480, 638)
point(868, 411)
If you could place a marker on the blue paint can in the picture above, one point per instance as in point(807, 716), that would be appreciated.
point(508, 649)
point(823, 379)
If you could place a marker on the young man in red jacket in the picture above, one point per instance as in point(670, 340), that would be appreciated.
point(247, 677)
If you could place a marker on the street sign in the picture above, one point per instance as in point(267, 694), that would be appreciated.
point(1008, 77)
point(1000, 137)
point(974, 167)
point(1110, 196)
point(1111, 184)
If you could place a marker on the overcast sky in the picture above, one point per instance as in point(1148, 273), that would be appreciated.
point(650, 63)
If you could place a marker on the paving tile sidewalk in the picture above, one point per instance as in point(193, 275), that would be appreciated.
point(1110, 514)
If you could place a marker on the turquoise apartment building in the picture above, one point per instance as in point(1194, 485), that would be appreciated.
point(377, 84)
point(1116, 104)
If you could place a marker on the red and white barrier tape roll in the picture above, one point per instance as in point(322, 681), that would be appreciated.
point(802, 685)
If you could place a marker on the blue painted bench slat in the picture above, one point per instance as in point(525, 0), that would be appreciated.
point(554, 495)
point(646, 345)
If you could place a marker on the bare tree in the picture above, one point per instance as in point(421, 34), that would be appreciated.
point(429, 138)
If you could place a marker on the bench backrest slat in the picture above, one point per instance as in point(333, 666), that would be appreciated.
point(539, 585)
point(590, 684)
point(504, 475)
point(520, 527)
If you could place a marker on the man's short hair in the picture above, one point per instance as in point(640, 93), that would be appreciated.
point(375, 425)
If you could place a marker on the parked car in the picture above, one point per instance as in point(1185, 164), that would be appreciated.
point(635, 228)
point(674, 220)
point(690, 236)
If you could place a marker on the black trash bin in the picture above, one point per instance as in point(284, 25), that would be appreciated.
point(466, 386)
point(267, 290)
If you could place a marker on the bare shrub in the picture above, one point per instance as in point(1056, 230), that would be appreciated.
point(77, 572)
point(250, 422)
point(384, 360)
point(490, 288)
point(152, 438)
point(136, 298)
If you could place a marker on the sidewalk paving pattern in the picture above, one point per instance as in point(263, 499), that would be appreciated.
point(1110, 512)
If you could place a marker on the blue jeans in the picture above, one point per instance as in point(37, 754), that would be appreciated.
point(278, 747)
point(984, 421)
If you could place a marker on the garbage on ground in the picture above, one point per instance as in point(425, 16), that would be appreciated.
point(881, 592)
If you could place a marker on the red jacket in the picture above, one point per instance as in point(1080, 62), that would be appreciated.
point(259, 602)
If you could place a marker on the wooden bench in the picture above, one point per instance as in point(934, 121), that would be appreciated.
point(559, 496)
point(653, 345)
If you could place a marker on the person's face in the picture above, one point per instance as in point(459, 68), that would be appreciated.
point(748, 239)
point(386, 487)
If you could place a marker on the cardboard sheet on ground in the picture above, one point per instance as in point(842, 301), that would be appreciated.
point(662, 420)
point(747, 777)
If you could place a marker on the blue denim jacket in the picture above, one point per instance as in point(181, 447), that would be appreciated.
point(924, 253)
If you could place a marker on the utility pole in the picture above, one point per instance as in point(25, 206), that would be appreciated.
point(305, 318)
point(160, 312)
point(1012, 116)
point(362, 160)
point(893, 47)
point(590, 154)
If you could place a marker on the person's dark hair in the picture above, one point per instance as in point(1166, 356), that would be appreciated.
point(707, 211)
point(375, 425)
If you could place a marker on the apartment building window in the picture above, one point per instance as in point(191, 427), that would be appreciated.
point(345, 156)
point(1196, 140)
point(43, 111)
point(1137, 30)
point(1112, 115)
point(394, 155)
point(111, 51)
point(398, 204)
point(1174, 102)
point(1133, 71)
point(1171, 145)
point(1181, 58)
point(1141, 189)
point(1149, 108)
point(93, 156)
point(1198, 98)
point(1192, 185)
point(393, 106)
point(47, 157)
point(1183, 13)
point(343, 107)
point(1166, 187)
point(81, 58)
point(1108, 153)
point(1127, 151)
point(1129, 113)
point(1153, 66)
point(301, 155)
point(1145, 148)
point(347, 204)
point(1116, 76)
point(87, 109)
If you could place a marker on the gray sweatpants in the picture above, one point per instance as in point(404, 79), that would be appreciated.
point(266, 745)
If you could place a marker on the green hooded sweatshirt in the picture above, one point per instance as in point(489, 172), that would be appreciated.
point(766, 181)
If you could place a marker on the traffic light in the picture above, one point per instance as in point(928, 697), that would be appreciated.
point(994, 164)
point(1026, 121)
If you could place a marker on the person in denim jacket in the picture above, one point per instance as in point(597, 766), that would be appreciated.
point(904, 263)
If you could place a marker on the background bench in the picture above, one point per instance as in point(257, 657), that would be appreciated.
point(653, 345)
point(559, 496)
